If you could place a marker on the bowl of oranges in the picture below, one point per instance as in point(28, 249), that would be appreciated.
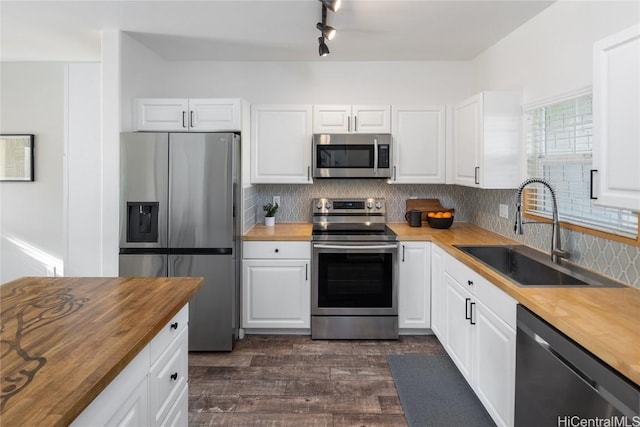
point(440, 219)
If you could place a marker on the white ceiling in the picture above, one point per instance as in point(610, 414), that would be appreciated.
point(261, 30)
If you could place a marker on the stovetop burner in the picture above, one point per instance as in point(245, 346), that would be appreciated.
point(351, 219)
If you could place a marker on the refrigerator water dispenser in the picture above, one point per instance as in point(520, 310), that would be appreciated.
point(142, 221)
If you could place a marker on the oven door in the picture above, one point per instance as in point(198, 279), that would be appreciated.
point(355, 279)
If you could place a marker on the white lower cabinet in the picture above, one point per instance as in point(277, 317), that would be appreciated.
point(276, 285)
point(479, 333)
point(437, 292)
point(414, 293)
point(152, 390)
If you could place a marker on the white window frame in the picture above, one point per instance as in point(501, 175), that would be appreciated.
point(574, 205)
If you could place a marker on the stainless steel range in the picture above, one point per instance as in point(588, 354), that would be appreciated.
point(355, 272)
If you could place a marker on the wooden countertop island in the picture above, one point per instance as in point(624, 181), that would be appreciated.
point(65, 339)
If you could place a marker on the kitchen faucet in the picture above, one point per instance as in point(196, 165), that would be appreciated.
point(556, 247)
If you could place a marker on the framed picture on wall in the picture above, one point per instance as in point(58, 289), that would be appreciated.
point(16, 157)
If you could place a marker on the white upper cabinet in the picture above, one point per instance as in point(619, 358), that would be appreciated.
point(487, 141)
point(419, 144)
point(281, 144)
point(351, 119)
point(196, 115)
point(616, 119)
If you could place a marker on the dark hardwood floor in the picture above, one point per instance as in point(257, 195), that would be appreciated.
point(295, 381)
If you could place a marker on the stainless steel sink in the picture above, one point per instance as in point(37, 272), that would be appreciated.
point(528, 267)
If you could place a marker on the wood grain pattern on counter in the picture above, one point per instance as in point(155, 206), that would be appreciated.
point(280, 231)
point(65, 339)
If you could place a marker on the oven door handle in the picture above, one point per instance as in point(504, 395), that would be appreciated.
point(323, 246)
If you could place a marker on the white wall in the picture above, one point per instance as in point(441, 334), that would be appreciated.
point(551, 54)
point(32, 101)
point(83, 159)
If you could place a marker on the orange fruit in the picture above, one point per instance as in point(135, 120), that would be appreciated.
point(439, 215)
point(446, 215)
point(431, 214)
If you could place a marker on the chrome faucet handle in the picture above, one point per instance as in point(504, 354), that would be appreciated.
point(561, 253)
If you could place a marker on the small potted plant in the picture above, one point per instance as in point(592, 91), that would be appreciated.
point(270, 213)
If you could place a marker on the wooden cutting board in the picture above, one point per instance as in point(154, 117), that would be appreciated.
point(426, 206)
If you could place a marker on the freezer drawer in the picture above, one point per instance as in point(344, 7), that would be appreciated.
point(143, 265)
point(211, 325)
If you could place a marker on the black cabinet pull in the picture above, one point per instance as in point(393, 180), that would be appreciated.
point(174, 376)
point(470, 282)
point(191, 118)
point(591, 196)
point(306, 272)
point(471, 317)
point(467, 316)
point(277, 250)
point(174, 325)
point(355, 123)
point(184, 114)
point(403, 253)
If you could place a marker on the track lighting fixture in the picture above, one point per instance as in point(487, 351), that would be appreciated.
point(327, 31)
point(334, 5)
point(323, 50)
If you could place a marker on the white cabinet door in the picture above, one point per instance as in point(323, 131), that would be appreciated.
point(494, 369)
point(276, 294)
point(414, 296)
point(332, 119)
point(616, 119)
point(467, 136)
point(419, 145)
point(457, 316)
point(351, 119)
point(487, 141)
point(281, 137)
point(371, 118)
point(184, 115)
point(438, 325)
point(215, 115)
point(160, 114)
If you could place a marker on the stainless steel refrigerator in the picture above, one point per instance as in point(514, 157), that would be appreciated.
point(179, 200)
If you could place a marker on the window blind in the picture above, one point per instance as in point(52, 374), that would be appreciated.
point(559, 149)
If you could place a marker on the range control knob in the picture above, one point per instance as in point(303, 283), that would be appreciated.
point(378, 205)
point(327, 205)
point(369, 205)
point(319, 205)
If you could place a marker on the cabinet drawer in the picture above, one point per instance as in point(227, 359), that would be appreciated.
point(167, 378)
point(461, 273)
point(169, 333)
point(496, 300)
point(179, 415)
point(276, 250)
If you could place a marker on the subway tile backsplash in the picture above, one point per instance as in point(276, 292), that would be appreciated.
point(614, 259)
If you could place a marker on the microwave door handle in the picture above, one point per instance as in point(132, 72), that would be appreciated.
point(375, 155)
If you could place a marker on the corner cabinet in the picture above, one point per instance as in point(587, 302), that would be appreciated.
point(616, 119)
point(476, 323)
point(414, 289)
point(487, 141)
point(419, 145)
point(188, 115)
point(351, 119)
point(152, 390)
point(276, 285)
point(281, 137)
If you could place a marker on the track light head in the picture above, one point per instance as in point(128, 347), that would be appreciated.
point(323, 50)
point(334, 5)
point(327, 31)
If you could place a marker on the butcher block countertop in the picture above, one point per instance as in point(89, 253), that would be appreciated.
point(606, 321)
point(65, 339)
point(280, 231)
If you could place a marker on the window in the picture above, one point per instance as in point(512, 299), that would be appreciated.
point(559, 138)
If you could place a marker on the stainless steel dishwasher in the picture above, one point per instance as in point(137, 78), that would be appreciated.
point(559, 383)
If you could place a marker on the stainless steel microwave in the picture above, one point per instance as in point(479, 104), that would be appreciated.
point(352, 155)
